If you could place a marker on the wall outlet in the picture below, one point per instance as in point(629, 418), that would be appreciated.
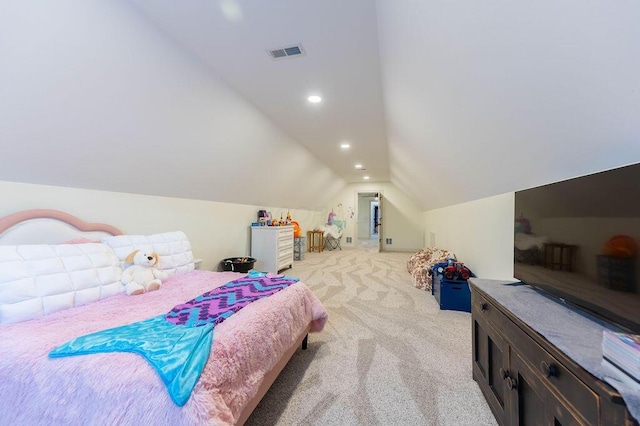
point(388, 240)
point(348, 239)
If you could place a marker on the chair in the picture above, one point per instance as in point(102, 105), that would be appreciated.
point(333, 234)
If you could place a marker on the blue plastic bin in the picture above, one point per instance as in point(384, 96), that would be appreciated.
point(453, 295)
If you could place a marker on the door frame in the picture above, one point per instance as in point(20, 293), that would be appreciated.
point(357, 193)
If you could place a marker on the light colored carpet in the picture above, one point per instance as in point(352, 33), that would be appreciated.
point(388, 355)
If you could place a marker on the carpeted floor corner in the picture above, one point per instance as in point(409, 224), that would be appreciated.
point(388, 354)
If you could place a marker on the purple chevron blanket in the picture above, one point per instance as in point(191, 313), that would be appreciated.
point(216, 305)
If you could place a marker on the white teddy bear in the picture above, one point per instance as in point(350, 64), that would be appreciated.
point(142, 276)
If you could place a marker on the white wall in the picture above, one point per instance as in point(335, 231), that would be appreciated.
point(216, 230)
point(402, 219)
point(93, 95)
point(480, 233)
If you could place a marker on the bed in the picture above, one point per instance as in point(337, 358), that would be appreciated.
point(249, 348)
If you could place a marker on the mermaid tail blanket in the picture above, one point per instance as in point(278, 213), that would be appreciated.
point(177, 344)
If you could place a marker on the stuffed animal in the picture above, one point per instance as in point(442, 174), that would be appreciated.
point(142, 276)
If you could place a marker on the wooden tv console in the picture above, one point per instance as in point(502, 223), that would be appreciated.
point(525, 378)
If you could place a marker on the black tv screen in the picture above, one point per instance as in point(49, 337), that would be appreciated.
point(578, 240)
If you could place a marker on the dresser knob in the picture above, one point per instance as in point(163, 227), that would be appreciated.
point(484, 306)
point(549, 370)
point(512, 383)
point(504, 373)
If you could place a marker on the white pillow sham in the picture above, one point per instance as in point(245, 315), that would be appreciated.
point(173, 249)
point(37, 280)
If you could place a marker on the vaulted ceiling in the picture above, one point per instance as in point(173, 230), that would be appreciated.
point(340, 62)
point(451, 101)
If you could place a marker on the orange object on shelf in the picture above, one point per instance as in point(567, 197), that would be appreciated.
point(620, 246)
point(296, 229)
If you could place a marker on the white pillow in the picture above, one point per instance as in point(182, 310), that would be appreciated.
point(173, 250)
point(37, 280)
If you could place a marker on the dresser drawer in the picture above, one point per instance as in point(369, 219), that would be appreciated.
point(285, 244)
point(285, 233)
point(285, 258)
point(286, 254)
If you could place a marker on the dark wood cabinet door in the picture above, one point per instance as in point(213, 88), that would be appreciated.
point(490, 367)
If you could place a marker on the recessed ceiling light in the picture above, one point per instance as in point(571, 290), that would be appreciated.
point(314, 99)
point(365, 177)
point(231, 10)
point(345, 145)
point(358, 166)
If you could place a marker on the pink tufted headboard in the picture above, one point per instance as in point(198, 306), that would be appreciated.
point(47, 226)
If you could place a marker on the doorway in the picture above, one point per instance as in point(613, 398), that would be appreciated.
point(369, 212)
point(375, 220)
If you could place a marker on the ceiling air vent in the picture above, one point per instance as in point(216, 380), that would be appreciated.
point(286, 52)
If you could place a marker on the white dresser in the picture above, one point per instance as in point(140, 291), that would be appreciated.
point(272, 247)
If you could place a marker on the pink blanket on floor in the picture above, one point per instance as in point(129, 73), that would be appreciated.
point(121, 387)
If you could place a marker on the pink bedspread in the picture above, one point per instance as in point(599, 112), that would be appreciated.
point(121, 388)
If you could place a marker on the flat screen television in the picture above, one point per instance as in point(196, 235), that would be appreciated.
point(576, 240)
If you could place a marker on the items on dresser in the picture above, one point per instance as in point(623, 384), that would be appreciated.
point(272, 247)
point(264, 218)
point(622, 351)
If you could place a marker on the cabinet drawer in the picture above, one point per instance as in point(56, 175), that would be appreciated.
point(285, 233)
point(557, 377)
point(285, 255)
point(285, 244)
point(542, 407)
point(486, 310)
point(283, 262)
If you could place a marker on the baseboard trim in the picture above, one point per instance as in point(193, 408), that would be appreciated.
point(400, 250)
